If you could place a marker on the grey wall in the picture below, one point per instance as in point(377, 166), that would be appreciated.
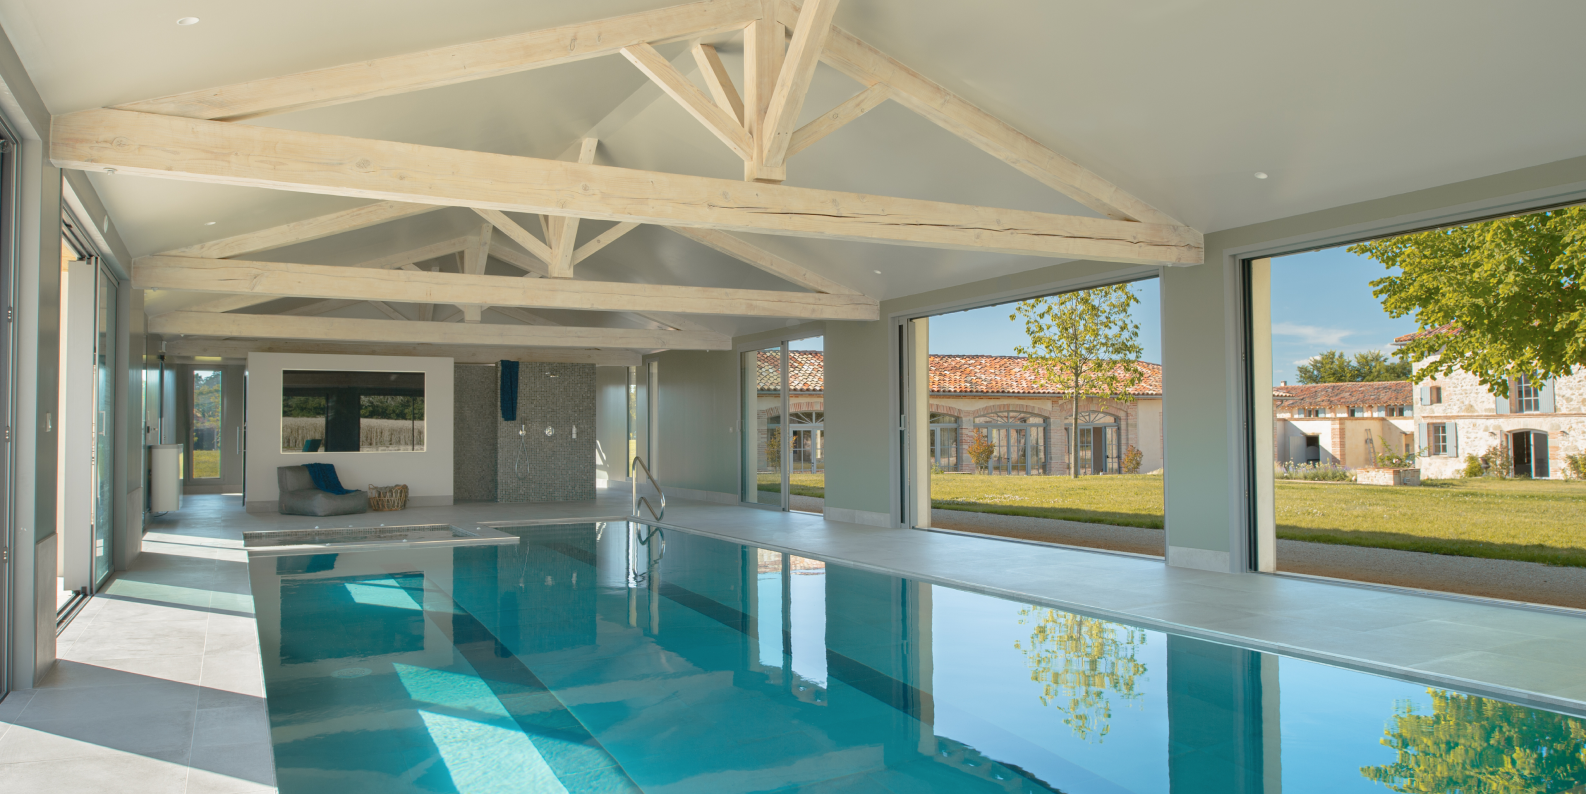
point(475, 420)
point(697, 422)
point(611, 424)
point(560, 467)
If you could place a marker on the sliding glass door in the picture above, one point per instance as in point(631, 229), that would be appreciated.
point(765, 433)
point(104, 423)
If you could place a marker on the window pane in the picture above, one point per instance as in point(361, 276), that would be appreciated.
point(206, 424)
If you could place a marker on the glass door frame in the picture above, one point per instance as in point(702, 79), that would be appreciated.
point(746, 421)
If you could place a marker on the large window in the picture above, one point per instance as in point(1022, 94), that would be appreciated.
point(1011, 446)
point(329, 411)
point(1403, 450)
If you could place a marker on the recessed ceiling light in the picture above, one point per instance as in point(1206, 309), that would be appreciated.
point(1261, 175)
point(209, 223)
point(187, 21)
point(878, 272)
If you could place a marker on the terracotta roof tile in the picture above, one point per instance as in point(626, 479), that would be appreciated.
point(1446, 328)
point(950, 374)
point(1328, 395)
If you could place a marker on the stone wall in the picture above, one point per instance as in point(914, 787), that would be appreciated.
point(474, 424)
point(559, 467)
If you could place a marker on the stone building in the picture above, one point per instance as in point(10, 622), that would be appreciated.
point(1342, 424)
point(1029, 423)
point(1535, 428)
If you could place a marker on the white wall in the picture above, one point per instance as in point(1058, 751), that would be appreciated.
point(427, 474)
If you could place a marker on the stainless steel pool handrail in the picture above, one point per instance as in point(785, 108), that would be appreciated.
point(638, 463)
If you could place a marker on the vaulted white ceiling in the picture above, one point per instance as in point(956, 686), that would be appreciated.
point(1176, 101)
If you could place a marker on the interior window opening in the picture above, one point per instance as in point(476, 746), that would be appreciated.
point(1414, 442)
point(1015, 445)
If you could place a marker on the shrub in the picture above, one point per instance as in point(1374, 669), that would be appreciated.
point(980, 450)
point(1315, 471)
point(1576, 466)
point(1473, 467)
point(1132, 458)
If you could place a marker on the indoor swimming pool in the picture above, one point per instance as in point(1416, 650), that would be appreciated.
point(604, 657)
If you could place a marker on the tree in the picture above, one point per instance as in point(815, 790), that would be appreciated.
point(980, 450)
point(1497, 299)
point(1482, 746)
point(1084, 343)
point(1334, 366)
point(1079, 662)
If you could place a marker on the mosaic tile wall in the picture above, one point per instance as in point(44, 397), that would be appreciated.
point(559, 467)
point(474, 424)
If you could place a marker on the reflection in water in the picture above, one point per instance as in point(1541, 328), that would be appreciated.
point(1079, 661)
point(1476, 745)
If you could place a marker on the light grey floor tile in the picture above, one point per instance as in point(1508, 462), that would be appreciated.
point(149, 695)
point(122, 773)
point(166, 733)
point(238, 672)
point(67, 674)
point(233, 725)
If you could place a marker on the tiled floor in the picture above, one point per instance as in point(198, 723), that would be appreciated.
point(158, 687)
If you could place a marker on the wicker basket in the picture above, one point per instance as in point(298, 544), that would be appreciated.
point(388, 497)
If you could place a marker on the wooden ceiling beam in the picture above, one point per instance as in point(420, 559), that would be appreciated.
point(764, 45)
point(304, 230)
point(749, 253)
point(403, 286)
point(470, 354)
point(720, 122)
point(717, 80)
point(456, 64)
point(342, 329)
point(402, 259)
point(868, 65)
point(810, 31)
point(833, 120)
point(216, 153)
point(567, 230)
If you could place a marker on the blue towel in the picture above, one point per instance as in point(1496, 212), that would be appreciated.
point(325, 479)
point(509, 390)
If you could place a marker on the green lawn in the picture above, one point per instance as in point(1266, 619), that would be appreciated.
point(1531, 520)
point(206, 463)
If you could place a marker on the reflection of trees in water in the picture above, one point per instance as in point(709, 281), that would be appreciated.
point(1080, 663)
point(1475, 745)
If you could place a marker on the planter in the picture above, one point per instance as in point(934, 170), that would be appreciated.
point(1375, 476)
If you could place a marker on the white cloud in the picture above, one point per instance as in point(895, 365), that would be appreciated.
point(1312, 335)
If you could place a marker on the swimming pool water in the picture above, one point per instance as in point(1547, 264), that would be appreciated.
point(602, 658)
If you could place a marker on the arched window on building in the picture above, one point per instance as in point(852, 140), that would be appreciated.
point(944, 441)
point(807, 433)
point(1100, 442)
point(1019, 439)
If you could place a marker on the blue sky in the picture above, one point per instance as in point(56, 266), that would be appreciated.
point(990, 332)
point(1322, 301)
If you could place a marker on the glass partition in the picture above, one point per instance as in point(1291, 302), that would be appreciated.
point(764, 440)
point(204, 444)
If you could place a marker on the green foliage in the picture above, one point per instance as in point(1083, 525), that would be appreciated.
point(1389, 459)
point(303, 407)
point(773, 448)
point(372, 406)
point(206, 398)
point(1132, 458)
point(1085, 344)
point(980, 450)
point(1368, 367)
point(1512, 286)
point(1326, 472)
point(1081, 664)
point(1473, 467)
point(1476, 745)
point(1497, 461)
point(1576, 466)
